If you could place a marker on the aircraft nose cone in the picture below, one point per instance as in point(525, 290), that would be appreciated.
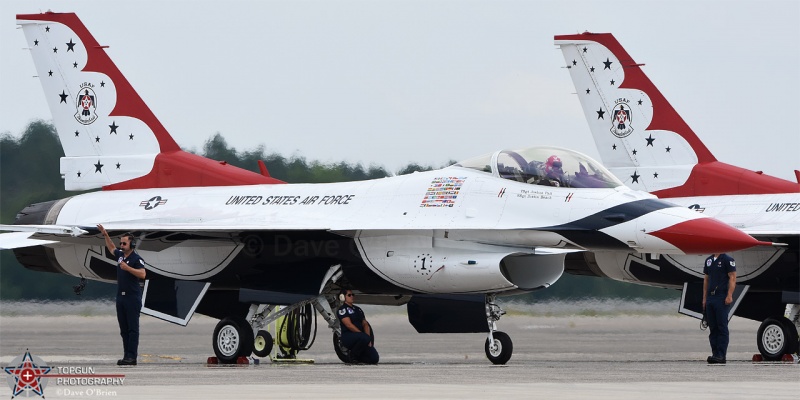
point(706, 236)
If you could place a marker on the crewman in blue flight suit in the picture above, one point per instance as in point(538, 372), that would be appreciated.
point(356, 331)
point(719, 282)
point(130, 269)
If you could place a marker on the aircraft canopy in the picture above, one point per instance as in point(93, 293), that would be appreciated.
point(540, 166)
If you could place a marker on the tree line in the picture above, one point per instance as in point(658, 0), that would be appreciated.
point(29, 173)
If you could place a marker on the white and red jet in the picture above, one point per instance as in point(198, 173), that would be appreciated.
point(232, 244)
point(659, 153)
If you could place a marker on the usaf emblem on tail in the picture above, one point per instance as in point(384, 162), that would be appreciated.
point(86, 104)
point(621, 119)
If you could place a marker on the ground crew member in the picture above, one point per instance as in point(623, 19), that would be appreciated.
point(356, 331)
point(130, 269)
point(718, 283)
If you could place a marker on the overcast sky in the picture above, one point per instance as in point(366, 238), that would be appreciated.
point(390, 82)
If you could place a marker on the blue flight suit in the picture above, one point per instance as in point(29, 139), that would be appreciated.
point(716, 309)
point(357, 342)
point(129, 303)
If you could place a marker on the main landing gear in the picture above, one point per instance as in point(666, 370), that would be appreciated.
point(498, 344)
point(233, 338)
point(236, 337)
point(778, 335)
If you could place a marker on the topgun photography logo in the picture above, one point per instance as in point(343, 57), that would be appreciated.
point(26, 378)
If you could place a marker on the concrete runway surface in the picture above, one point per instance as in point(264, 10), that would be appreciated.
point(614, 357)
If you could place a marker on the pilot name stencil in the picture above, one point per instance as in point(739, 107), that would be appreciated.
point(535, 194)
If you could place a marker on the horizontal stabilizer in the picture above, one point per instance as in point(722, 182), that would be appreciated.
point(17, 240)
point(51, 229)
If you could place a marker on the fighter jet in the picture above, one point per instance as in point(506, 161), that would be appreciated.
point(648, 145)
point(233, 244)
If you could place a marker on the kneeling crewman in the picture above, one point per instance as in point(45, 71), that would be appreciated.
point(356, 331)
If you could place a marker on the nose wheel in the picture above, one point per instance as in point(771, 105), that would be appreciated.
point(498, 345)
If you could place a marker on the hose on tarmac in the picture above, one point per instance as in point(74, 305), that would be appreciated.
point(300, 334)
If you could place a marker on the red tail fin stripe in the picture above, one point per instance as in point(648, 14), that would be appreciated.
point(128, 102)
point(664, 116)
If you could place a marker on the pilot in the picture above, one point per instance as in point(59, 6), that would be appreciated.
point(718, 283)
point(129, 294)
point(356, 331)
point(553, 173)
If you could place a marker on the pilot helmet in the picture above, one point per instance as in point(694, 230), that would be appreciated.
point(552, 166)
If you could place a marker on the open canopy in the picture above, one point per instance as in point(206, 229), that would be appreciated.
point(550, 166)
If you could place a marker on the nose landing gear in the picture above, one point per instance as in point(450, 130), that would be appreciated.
point(498, 345)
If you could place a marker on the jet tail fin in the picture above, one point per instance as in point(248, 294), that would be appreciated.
point(640, 136)
point(110, 137)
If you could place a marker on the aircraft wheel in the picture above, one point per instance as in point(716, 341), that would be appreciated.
point(342, 352)
point(263, 343)
point(776, 336)
point(233, 338)
point(502, 350)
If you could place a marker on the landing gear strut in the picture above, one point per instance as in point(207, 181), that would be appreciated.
point(498, 345)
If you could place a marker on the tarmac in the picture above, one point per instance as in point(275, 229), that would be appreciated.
point(566, 356)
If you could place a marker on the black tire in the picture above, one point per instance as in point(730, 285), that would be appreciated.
point(233, 338)
point(262, 345)
point(794, 336)
point(342, 352)
point(504, 348)
point(776, 336)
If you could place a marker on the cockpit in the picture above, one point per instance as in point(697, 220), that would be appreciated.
point(548, 166)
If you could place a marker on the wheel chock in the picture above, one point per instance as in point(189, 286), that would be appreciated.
point(787, 358)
